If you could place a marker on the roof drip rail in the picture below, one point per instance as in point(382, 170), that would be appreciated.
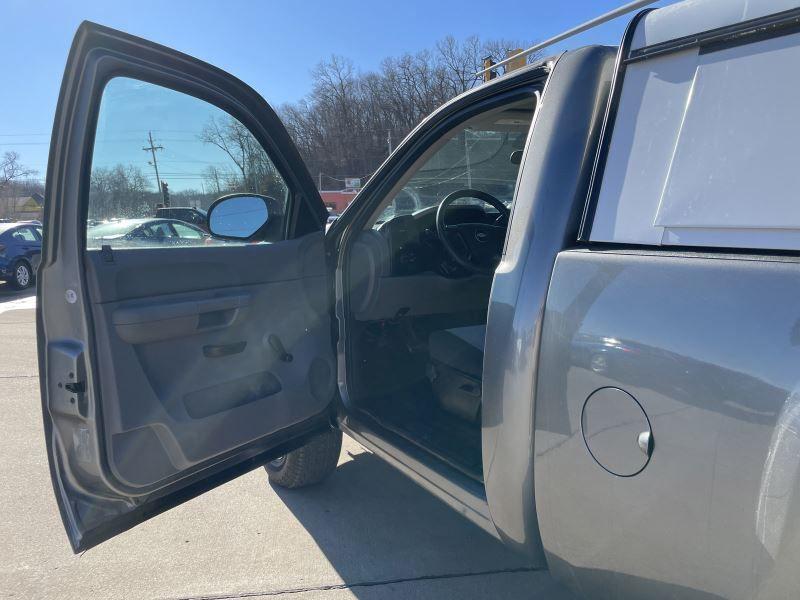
point(612, 14)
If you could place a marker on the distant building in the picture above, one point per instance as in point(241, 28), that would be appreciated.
point(22, 208)
point(337, 200)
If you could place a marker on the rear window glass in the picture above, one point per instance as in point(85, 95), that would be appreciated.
point(704, 150)
point(24, 234)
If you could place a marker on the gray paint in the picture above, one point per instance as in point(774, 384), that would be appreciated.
point(133, 428)
point(707, 343)
point(615, 428)
point(709, 346)
point(549, 200)
point(151, 370)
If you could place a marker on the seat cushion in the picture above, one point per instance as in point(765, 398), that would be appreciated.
point(460, 348)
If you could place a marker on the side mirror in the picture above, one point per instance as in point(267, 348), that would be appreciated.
point(238, 216)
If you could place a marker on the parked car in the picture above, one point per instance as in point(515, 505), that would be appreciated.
point(146, 232)
point(594, 360)
point(195, 216)
point(20, 252)
point(332, 217)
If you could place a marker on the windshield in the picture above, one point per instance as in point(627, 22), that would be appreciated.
point(482, 153)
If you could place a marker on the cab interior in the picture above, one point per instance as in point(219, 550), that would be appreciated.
point(420, 275)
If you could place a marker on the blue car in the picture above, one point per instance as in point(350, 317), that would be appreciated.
point(20, 252)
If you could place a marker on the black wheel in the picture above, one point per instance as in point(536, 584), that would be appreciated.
point(22, 276)
point(308, 464)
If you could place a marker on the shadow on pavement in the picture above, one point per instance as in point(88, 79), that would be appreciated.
point(375, 525)
point(9, 292)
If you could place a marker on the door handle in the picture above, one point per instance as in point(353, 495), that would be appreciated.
point(276, 344)
point(219, 350)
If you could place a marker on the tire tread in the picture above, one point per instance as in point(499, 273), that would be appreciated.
point(310, 463)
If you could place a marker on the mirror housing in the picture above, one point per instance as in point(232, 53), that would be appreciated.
point(239, 216)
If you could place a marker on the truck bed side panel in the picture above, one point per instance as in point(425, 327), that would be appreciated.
point(709, 347)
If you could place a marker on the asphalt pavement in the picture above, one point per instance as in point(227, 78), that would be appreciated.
point(368, 532)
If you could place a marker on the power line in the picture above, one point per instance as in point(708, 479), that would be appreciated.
point(22, 134)
point(25, 144)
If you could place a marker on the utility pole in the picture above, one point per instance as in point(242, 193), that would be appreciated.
point(319, 187)
point(389, 139)
point(152, 150)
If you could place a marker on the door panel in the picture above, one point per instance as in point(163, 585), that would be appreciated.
point(709, 348)
point(166, 370)
point(196, 348)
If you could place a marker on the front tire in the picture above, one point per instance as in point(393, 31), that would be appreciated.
point(308, 464)
point(22, 276)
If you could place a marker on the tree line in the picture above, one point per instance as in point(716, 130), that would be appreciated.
point(350, 120)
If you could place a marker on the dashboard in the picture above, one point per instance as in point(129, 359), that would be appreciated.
point(401, 268)
point(412, 242)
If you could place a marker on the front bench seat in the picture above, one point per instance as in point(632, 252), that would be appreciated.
point(457, 368)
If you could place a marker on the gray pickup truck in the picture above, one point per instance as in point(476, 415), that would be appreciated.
point(584, 337)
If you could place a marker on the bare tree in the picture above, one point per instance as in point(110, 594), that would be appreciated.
point(461, 60)
point(120, 192)
point(350, 121)
point(233, 139)
point(215, 178)
point(11, 169)
point(258, 173)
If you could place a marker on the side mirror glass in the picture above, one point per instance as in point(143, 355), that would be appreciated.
point(238, 216)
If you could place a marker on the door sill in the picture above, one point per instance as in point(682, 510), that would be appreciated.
point(456, 489)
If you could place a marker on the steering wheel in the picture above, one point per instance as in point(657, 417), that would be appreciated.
point(474, 246)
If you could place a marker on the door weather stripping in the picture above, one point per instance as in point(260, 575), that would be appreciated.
point(612, 14)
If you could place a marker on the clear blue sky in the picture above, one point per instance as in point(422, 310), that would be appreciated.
point(270, 45)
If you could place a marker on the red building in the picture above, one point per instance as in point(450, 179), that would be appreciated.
point(337, 200)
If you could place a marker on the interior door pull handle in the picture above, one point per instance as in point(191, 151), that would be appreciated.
point(216, 351)
point(276, 344)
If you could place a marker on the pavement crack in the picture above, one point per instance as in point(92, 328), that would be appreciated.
point(347, 586)
point(19, 376)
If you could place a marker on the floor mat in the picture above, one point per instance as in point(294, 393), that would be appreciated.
point(416, 414)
